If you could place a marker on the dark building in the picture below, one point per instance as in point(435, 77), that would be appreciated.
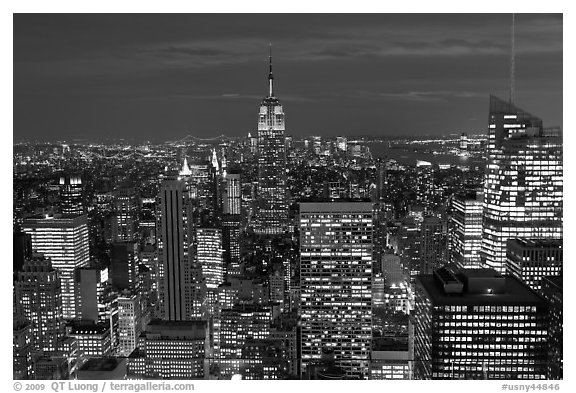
point(433, 245)
point(21, 348)
point(124, 262)
point(478, 324)
point(552, 292)
point(22, 249)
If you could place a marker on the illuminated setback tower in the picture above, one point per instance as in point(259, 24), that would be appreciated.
point(272, 212)
point(523, 183)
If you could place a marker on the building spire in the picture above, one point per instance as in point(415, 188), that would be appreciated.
point(512, 65)
point(270, 76)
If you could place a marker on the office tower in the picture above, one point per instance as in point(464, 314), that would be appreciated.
point(276, 285)
point(392, 270)
point(124, 228)
point(523, 184)
point(391, 357)
point(65, 242)
point(433, 245)
point(233, 194)
point(237, 325)
point(94, 339)
point(478, 324)
point(92, 284)
point(342, 143)
point(173, 250)
point(335, 279)
point(530, 260)
point(39, 301)
point(288, 337)
point(124, 261)
point(129, 323)
point(71, 196)
point(21, 348)
point(231, 240)
point(272, 209)
point(170, 350)
point(425, 189)
point(210, 255)
point(97, 301)
point(552, 292)
point(466, 230)
point(463, 141)
point(22, 249)
point(317, 144)
point(263, 359)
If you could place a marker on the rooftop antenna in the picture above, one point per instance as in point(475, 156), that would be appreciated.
point(270, 76)
point(512, 66)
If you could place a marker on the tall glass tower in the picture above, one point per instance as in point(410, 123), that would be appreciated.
point(272, 209)
point(523, 183)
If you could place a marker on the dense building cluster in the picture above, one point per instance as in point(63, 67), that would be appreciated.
point(272, 257)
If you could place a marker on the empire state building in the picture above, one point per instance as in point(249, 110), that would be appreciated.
point(272, 208)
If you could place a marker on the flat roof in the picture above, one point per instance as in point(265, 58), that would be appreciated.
point(100, 364)
point(516, 293)
point(336, 206)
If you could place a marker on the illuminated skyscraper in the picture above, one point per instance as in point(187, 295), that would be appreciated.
point(478, 324)
point(210, 255)
point(71, 196)
point(272, 211)
point(65, 242)
point(530, 260)
point(124, 220)
point(129, 323)
point(336, 255)
point(466, 230)
point(523, 184)
point(231, 219)
point(38, 300)
point(233, 194)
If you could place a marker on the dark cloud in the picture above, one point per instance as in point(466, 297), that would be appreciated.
point(168, 74)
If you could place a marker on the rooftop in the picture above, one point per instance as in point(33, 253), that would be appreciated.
point(480, 287)
point(100, 364)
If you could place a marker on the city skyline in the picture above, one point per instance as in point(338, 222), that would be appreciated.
point(278, 255)
point(162, 77)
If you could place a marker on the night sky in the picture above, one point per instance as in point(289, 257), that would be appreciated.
point(161, 77)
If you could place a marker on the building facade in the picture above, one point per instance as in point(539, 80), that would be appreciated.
point(523, 194)
point(336, 256)
point(65, 242)
point(478, 324)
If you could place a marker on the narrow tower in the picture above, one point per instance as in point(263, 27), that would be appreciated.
point(272, 208)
